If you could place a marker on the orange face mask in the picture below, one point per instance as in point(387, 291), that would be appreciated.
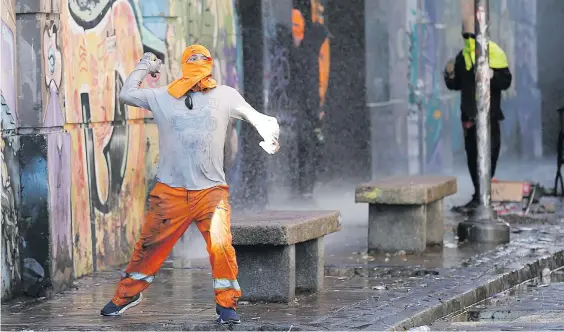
point(298, 24)
point(196, 75)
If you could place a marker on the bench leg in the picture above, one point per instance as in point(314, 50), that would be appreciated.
point(267, 273)
point(310, 265)
point(435, 223)
point(392, 228)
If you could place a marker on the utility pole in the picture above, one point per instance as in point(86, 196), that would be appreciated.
point(483, 225)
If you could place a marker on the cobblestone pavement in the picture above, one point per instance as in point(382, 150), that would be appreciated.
point(533, 306)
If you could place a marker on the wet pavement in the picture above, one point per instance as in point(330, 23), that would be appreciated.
point(179, 297)
point(362, 291)
point(537, 305)
point(368, 296)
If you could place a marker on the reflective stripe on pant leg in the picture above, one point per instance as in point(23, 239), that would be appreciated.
point(138, 276)
point(213, 218)
point(167, 219)
point(226, 284)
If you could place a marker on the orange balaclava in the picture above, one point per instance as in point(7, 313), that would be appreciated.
point(298, 25)
point(196, 75)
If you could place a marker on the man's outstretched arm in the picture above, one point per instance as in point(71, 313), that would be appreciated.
point(267, 126)
point(131, 94)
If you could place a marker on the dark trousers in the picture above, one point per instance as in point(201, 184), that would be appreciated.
point(471, 146)
point(307, 156)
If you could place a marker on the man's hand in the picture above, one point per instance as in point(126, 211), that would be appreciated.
point(449, 69)
point(153, 63)
point(269, 130)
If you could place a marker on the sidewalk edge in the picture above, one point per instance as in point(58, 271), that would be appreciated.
point(498, 283)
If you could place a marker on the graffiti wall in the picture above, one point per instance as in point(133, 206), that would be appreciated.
point(10, 257)
point(516, 29)
point(77, 163)
point(422, 37)
point(513, 26)
point(115, 157)
point(108, 155)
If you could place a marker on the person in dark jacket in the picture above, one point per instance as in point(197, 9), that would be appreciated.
point(304, 89)
point(459, 75)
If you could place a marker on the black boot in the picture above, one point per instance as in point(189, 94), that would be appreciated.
point(468, 207)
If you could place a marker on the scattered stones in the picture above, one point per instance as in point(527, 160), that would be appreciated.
point(379, 287)
point(400, 253)
point(545, 272)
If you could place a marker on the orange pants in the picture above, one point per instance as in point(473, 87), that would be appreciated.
point(171, 211)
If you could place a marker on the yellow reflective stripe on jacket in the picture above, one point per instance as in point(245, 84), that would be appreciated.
point(498, 59)
point(226, 284)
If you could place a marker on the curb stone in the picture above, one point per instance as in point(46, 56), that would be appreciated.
point(497, 284)
point(438, 296)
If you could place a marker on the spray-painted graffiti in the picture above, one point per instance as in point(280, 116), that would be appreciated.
point(53, 64)
point(522, 128)
point(434, 151)
point(9, 115)
point(434, 33)
point(107, 46)
point(34, 213)
point(58, 161)
point(113, 159)
point(11, 271)
point(9, 145)
point(416, 98)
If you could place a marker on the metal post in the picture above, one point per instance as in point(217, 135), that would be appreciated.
point(483, 225)
point(483, 102)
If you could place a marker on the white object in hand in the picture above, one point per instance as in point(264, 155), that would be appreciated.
point(153, 63)
point(269, 130)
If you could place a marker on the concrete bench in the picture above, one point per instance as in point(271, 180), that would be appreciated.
point(405, 212)
point(279, 252)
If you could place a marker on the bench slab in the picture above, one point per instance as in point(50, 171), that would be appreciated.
point(405, 212)
point(406, 190)
point(282, 227)
point(279, 252)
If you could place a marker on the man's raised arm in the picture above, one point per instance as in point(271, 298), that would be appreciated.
point(131, 94)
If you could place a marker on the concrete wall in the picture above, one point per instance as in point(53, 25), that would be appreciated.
point(76, 163)
point(346, 127)
point(550, 68)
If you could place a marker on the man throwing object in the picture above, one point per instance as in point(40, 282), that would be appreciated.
point(192, 115)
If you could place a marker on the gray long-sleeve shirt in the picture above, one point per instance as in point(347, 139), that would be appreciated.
point(191, 141)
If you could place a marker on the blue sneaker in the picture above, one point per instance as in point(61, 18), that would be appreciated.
point(227, 316)
point(111, 309)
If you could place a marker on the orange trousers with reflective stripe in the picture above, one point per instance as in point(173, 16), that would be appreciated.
point(171, 211)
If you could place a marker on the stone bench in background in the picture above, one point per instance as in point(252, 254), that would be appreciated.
point(405, 212)
point(281, 251)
